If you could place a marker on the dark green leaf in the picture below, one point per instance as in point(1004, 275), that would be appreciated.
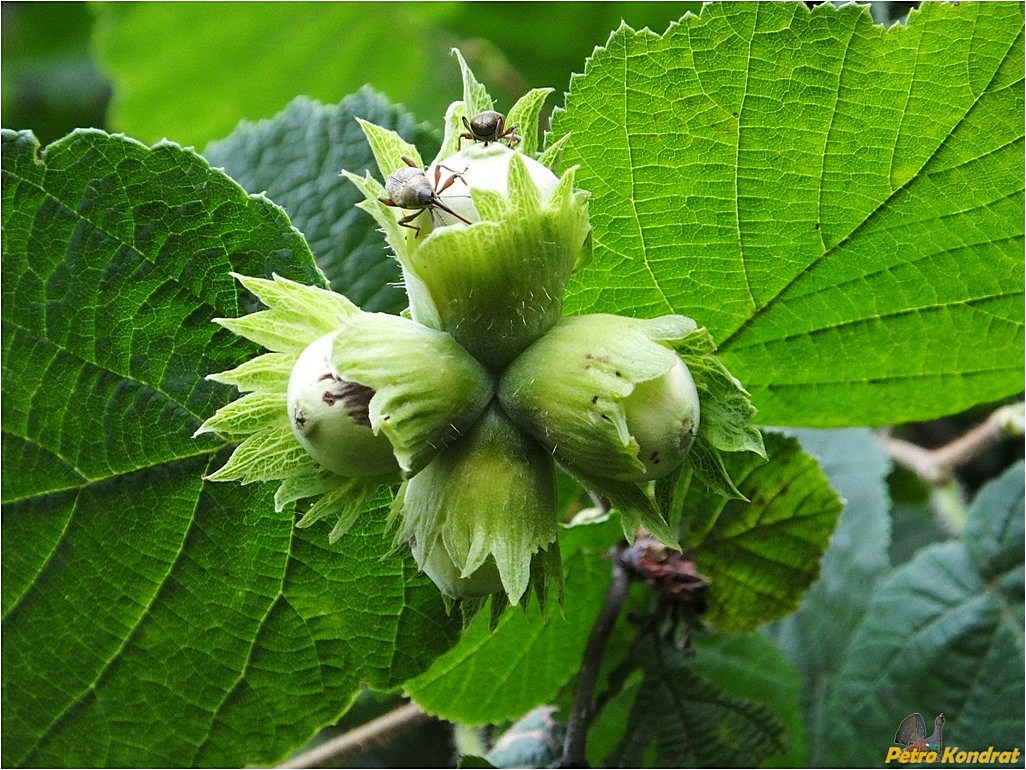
point(760, 556)
point(472, 761)
point(993, 531)
point(918, 512)
point(942, 634)
point(682, 719)
point(840, 204)
point(816, 638)
point(149, 617)
point(751, 666)
point(295, 159)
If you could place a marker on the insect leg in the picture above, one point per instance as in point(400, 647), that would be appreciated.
point(405, 221)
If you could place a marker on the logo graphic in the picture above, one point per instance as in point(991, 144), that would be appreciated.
point(916, 747)
point(912, 733)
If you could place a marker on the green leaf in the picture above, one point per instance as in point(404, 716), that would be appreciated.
point(496, 676)
point(752, 667)
point(727, 415)
point(270, 455)
point(475, 99)
point(473, 761)
point(524, 116)
point(942, 634)
point(761, 555)
point(267, 373)
point(727, 412)
point(817, 637)
point(247, 415)
point(634, 506)
point(295, 158)
point(151, 617)
point(680, 718)
point(246, 61)
point(918, 513)
point(840, 204)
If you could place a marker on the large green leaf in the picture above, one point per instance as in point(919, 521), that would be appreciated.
point(222, 62)
point(752, 667)
point(942, 634)
point(149, 617)
point(840, 204)
point(217, 63)
point(295, 159)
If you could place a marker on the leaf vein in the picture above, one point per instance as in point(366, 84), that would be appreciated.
point(873, 214)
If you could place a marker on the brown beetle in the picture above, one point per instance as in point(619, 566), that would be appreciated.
point(410, 188)
point(490, 126)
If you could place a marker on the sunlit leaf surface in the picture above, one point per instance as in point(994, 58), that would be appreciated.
point(840, 204)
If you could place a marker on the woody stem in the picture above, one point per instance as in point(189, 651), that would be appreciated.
point(581, 711)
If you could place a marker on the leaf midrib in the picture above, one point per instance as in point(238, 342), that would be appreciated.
point(877, 211)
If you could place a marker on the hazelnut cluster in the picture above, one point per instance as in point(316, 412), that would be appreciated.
point(472, 400)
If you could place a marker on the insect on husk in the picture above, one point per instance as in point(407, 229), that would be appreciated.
point(410, 188)
point(490, 126)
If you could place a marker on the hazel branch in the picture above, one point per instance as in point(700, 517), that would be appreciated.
point(936, 466)
point(354, 742)
point(581, 710)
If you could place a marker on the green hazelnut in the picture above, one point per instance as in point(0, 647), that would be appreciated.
point(488, 499)
point(481, 167)
point(438, 565)
point(329, 416)
point(662, 415)
point(607, 395)
point(498, 285)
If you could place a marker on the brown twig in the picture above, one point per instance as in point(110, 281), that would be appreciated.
point(936, 466)
point(581, 710)
point(378, 731)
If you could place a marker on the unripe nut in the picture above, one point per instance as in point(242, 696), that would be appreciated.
point(329, 416)
point(607, 395)
point(444, 573)
point(663, 416)
point(498, 285)
point(488, 499)
point(485, 168)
